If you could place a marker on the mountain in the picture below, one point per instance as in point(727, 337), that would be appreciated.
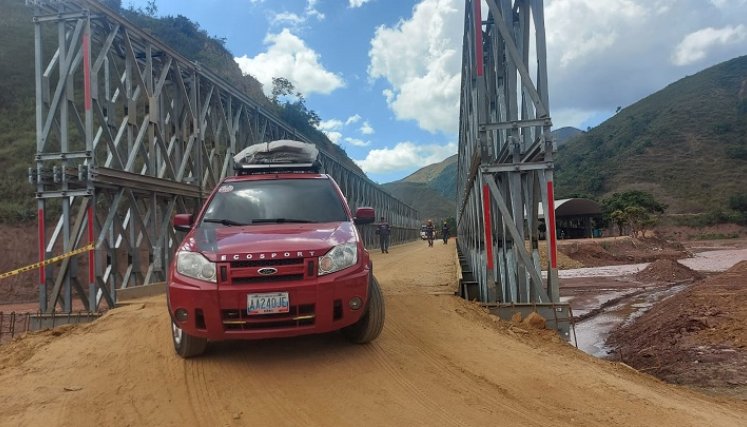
point(686, 144)
point(564, 134)
point(431, 189)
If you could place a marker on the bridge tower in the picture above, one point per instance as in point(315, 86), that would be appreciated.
point(130, 132)
point(506, 162)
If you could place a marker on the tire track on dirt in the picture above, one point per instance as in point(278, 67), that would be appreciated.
point(421, 397)
point(246, 374)
point(454, 375)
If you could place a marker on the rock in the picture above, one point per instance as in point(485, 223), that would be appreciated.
point(535, 321)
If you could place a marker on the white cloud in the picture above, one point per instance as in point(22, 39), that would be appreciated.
point(357, 142)
point(405, 156)
point(287, 18)
point(582, 28)
point(288, 56)
point(421, 60)
point(727, 3)
point(605, 54)
point(332, 129)
point(331, 124)
point(311, 10)
point(335, 137)
point(695, 46)
point(366, 128)
point(357, 3)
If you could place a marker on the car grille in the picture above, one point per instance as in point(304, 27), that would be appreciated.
point(248, 272)
point(298, 316)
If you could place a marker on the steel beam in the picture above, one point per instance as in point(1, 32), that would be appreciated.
point(506, 154)
point(129, 132)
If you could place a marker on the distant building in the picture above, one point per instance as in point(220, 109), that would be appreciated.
point(576, 218)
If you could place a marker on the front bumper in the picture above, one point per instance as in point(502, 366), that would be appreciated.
point(317, 305)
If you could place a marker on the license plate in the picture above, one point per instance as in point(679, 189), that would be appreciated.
point(269, 303)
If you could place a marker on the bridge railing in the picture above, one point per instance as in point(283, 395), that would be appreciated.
point(506, 156)
point(129, 132)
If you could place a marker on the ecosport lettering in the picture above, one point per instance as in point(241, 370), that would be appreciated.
point(271, 255)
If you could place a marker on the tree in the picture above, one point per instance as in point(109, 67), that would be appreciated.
point(637, 217)
point(113, 4)
point(620, 201)
point(619, 218)
point(282, 87)
point(637, 209)
point(738, 202)
point(294, 109)
point(151, 8)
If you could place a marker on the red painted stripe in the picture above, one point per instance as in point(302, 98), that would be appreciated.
point(91, 272)
point(478, 36)
point(41, 231)
point(488, 225)
point(87, 70)
point(550, 215)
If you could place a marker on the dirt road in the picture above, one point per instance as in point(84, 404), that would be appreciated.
point(439, 361)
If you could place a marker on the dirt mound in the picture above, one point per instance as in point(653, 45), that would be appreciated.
point(740, 267)
point(697, 337)
point(18, 248)
point(667, 270)
point(621, 250)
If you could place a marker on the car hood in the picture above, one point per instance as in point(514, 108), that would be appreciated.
point(268, 241)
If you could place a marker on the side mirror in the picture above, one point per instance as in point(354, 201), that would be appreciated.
point(364, 216)
point(183, 222)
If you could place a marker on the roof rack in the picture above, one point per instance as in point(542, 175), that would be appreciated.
point(260, 168)
point(281, 156)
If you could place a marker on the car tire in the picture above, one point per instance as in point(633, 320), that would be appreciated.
point(186, 345)
point(369, 326)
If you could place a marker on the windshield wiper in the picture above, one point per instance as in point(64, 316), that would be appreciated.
point(280, 220)
point(224, 221)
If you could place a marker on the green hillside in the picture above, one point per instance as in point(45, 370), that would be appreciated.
point(686, 144)
point(428, 202)
point(565, 134)
point(431, 189)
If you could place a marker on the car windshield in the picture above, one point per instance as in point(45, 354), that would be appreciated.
point(275, 201)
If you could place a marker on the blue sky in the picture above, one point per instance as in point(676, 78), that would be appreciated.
point(384, 74)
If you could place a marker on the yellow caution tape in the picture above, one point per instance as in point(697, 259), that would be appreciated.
point(86, 248)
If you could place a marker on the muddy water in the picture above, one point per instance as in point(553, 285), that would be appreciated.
point(619, 299)
point(592, 333)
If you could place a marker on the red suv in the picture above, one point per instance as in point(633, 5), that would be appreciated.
point(274, 252)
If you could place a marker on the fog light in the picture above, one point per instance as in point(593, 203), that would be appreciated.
point(181, 315)
point(355, 303)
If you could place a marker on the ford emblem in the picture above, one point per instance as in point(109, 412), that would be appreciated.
point(267, 271)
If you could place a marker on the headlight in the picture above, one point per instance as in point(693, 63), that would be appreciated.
point(196, 266)
point(340, 257)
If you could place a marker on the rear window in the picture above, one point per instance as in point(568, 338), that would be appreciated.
point(287, 200)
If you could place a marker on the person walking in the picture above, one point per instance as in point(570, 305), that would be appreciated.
point(383, 230)
point(429, 232)
point(445, 232)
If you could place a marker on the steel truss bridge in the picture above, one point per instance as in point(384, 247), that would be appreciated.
point(506, 162)
point(129, 132)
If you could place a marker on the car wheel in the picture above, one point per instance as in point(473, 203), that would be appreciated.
point(369, 326)
point(186, 345)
